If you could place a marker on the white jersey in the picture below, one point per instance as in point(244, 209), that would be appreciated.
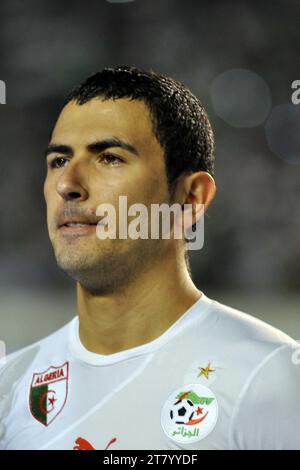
point(216, 379)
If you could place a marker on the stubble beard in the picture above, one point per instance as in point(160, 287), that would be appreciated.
point(108, 270)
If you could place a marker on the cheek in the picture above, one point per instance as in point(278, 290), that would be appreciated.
point(49, 190)
point(45, 189)
point(155, 189)
point(142, 184)
point(51, 200)
point(151, 185)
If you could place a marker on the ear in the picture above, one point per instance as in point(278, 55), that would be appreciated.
point(200, 188)
point(196, 188)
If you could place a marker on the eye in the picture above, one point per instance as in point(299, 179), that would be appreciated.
point(110, 159)
point(58, 162)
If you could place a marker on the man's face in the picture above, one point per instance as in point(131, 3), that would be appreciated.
point(86, 168)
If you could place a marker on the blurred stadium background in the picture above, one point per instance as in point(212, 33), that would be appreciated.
point(239, 58)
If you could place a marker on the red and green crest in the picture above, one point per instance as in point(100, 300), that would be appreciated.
point(48, 393)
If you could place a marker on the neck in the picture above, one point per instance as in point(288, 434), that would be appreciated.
point(142, 312)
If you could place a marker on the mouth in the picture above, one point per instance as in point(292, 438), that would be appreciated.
point(77, 228)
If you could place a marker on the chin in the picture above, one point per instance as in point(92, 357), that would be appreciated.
point(71, 262)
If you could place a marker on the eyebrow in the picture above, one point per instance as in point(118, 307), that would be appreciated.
point(94, 147)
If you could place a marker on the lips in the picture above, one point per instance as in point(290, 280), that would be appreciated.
point(77, 224)
point(76, 220)
point(75, 228)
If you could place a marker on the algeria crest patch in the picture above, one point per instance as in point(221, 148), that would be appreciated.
point(48, 393)
point(189, 414)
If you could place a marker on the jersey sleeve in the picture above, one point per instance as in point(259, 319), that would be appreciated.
point(267, 413)
point(11, 373)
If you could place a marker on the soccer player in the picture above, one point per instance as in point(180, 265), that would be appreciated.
point(150, 362)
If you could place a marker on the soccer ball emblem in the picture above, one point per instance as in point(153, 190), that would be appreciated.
point(189, 414)
point(182, 411)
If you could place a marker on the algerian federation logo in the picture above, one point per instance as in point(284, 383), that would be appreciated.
point(48, 393)
point(189, 414)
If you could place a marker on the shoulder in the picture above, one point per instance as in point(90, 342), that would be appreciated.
point(267, 412)
point(15, 365)
point(266, 384)
point(243, 329)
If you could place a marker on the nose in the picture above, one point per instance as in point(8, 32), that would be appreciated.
point(70, 184)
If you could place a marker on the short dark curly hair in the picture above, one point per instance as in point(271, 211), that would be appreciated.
point(179, 120)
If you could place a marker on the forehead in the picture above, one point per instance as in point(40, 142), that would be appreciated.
point(96, 119)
